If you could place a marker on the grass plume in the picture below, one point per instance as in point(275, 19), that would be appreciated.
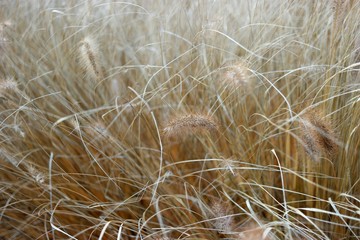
point(318, 135)
point(90, 59)
point(223, 219)
point(190, 124)
point(236, 75)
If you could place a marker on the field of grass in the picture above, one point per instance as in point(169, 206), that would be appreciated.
point(188, 119)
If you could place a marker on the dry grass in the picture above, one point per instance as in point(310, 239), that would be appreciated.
point(179, 120)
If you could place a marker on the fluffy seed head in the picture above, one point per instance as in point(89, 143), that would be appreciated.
point(3, 27)
point(5, 24)
point(228, 165)
point(36, 175)
point(222, 212)
point(318, 136)
point(236, 75)
point(3, 36)
point(191, 123)
point(89, 59)
point(8, 84)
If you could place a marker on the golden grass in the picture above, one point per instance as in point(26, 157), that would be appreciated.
point(179, 120)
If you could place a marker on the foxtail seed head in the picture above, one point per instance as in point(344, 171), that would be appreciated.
point(8, 84)
point(318, 136)
point(222, 212)
point(236, 75)
point(190, 123)
point(89, 59)
point(3, 37)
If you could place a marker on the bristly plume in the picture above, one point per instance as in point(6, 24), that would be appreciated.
point(5, 25)
point(90, 59)
point(318, 136)
point(3, 37)
point(236, 75)
point(228, 165)
point(8, 84)
point(38, 176)
point(222, 213)
point(190, 123)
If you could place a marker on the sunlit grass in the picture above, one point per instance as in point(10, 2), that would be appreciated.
point(179, 120)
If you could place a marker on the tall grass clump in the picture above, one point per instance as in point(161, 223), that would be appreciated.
point(179, 119)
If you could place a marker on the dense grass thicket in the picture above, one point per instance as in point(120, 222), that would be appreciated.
point(185, 119)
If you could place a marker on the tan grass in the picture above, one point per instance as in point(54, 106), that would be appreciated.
point(191, 132)
point(252, 230)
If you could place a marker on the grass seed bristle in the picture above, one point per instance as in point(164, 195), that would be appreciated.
point(223, 219)
point(318, 136)
point(236, 75)
point(90, 60)
point(189, 124)
point(8, 84)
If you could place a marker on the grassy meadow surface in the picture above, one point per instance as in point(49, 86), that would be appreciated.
point(165, 120)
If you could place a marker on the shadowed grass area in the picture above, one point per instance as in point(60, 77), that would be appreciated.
point(179, 119)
